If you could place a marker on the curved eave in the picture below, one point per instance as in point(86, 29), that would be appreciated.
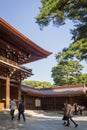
point(18, 40)
point(53, 95)
point(74, 90)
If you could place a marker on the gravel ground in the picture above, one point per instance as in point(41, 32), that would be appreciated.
point(39, 120)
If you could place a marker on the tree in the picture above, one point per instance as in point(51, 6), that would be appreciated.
point(58, 11)
point(37, 84)
point(67, 72)
point(82, 78)
point(77, 50)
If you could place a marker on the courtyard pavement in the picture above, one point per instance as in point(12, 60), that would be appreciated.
point(40, 120)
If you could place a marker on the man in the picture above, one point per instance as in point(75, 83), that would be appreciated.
point(21, 110)
point(69, 115)
point(12, 108)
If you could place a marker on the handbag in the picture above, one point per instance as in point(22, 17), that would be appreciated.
point(65, 117)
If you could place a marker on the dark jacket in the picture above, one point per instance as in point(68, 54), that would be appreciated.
point(21, 107)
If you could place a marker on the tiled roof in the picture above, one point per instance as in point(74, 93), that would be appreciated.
point(22, 43)
point(58, 91)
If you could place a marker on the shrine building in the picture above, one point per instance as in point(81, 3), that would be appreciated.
point(54, 98)
point(15, 51)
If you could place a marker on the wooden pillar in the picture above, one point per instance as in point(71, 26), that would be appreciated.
point(19, 92)
point(54, 103)
point(7, 93)
point(71, 100)
point(25, 98)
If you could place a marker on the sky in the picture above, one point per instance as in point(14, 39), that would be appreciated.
point(21, 15)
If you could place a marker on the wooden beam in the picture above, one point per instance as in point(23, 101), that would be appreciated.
point(2, 77)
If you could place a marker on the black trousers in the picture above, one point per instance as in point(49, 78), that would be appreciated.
point(12, 114)
point(70, 118)
point(21, 113)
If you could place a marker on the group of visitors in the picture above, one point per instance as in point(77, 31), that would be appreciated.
point(20, 109)
point(67, 112)
point(77, 109)
point(68, 115)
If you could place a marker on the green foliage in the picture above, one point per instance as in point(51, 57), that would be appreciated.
point(58, 11)
point(77, 50)
point(82, 78)
point(68, 72)
point(49, 11)
point(37, 84)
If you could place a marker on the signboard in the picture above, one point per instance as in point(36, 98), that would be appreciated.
point(37, 102)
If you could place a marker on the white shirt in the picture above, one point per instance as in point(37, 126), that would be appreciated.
point(12, 105)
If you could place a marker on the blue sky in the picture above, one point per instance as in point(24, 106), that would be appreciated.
point(21, 15)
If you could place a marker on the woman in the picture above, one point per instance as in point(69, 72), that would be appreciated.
point(69, 115)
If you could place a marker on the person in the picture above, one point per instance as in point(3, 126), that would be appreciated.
point(12, 108)
point(69, 115)
point(64, 115)
point(80, 109)
point(21, 108)
point(75, 109)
